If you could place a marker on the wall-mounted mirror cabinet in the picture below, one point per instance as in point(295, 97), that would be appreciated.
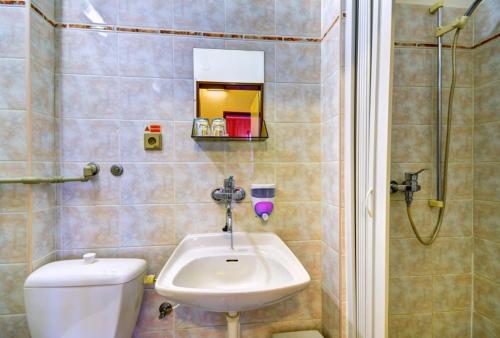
point(229, 95)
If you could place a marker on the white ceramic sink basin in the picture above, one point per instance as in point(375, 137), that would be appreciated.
point(204, 272)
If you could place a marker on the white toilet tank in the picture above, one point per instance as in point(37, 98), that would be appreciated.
point(98, 298)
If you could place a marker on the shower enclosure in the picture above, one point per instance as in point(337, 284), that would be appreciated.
point(449, 287)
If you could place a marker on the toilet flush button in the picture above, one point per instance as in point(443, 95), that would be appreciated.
point(89, 258)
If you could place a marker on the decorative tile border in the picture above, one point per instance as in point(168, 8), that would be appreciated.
point(173, 31)
point(12, 2)
point(40, 13)
point(427, 45)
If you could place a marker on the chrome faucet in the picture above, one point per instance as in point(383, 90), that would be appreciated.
point(227, 195)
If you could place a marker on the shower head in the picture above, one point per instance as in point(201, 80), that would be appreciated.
point(472, 7)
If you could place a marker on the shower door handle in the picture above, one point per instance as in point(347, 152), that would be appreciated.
point(369, 206)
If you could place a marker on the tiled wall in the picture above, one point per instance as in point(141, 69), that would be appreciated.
point(430, 287)
point(486, 319)
point(14, 160)
point(331, 166)
point(28, 215)
point(44, 131)
point(110, 84)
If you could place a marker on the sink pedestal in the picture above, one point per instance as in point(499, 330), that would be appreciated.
point(233, 324)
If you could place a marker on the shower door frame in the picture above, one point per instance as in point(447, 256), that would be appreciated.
point(369, 48)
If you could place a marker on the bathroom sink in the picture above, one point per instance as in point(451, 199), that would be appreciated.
point(204, 272)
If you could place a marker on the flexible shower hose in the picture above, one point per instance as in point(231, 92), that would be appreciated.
point(437, 227)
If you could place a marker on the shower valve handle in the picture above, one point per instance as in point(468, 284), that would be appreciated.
point(412, 186)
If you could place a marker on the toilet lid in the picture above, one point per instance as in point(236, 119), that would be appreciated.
point(75, 272)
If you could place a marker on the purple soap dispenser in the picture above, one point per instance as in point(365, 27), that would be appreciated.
point(263, 199)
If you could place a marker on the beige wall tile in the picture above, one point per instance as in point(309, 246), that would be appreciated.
point(411, 143)
point(406, 326)
point(331, 271)
point(85, 11)
point(330, 183)
point(101, 138)
point(42, 86)
point(330, 9)
point(146, 13)
point(484, 328)
point(183, 100)
point(452, 324)
point(487, 259)
point(142, 98)
point(250, 16)
point(14, 135)
point(486, 186)
point(43, 138)
point(147, 183)
point(297, 62)
point(330, 97)
point(486, 220)
point(298, 17)
point(413, 23)
point(44, 227)
point(486, 63)
point(331, 51)
point(88, 97)
point(413, 105)
point(298, 142)
point(452, 255)
point(86, 52)
point(486, 296)
point(192, 15)
point(451, 292)
point(331, 226)
point(145, 55)
point(298, 102)
point(12, 26)
point(12, 82)
point(413, 67)
point(13, 238)
point(409, 258)
point(147, 225)
point(486, 103)
point(90, 227)
point(331, 316)
point(410, 295)
point(461, 186)
point(15, 326)
point(11, 291)
point(486, 143)
point(298, 182)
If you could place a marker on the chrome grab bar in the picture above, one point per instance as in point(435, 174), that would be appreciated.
point(89, 170)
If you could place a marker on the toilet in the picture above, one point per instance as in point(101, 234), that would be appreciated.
point(82, 298)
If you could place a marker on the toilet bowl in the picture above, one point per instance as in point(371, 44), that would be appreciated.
point(98, 298)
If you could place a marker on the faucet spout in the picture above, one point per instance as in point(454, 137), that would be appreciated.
point(227, 194)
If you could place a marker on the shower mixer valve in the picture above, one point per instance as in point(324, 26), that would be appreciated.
point(408, 186)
